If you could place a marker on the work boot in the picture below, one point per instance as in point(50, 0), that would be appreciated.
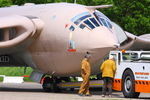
point(110, 96)
point(88, 95)
point(103, 95)
point(80, 94)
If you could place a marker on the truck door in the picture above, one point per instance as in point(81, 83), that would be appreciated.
point(117, 82)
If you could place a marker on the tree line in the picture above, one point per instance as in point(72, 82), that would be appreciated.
point(132, 15)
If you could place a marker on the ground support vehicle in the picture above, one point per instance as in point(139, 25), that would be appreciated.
point(133, 72)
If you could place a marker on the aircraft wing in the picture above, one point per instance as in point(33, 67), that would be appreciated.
point(137, 42)
point(16, 30)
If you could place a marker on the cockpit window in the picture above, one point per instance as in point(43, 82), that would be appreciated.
point(109, 25)
point(90, 21)
point(87, 22)
point(80, 16)
point(71, 28)
point(82, 26)
point(100, 22)
point(80, 19)
point(94, 21)
point(103, 20)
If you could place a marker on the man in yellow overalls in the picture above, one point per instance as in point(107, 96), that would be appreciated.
point(108, 69)
point(85, 73)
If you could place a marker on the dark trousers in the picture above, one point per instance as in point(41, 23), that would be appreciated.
point(107, 84)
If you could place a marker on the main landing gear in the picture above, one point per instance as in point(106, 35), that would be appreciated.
point(50, 83)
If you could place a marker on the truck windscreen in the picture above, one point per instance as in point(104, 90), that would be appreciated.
point(129, 56)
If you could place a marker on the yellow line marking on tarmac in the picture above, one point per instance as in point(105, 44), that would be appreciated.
point(79, 85)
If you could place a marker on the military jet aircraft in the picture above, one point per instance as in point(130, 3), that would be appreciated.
point(54, 38)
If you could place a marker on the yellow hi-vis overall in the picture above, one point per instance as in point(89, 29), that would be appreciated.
point(85, 73)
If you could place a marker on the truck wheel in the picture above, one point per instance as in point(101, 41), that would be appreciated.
point(128, 85)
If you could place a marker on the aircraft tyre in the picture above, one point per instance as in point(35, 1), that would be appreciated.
point(49, 85)
point(71, 89)
point(128, 85)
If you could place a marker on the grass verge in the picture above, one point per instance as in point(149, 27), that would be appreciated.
point(15, 71)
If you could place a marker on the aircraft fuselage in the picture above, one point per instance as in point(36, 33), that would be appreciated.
point(48, 52)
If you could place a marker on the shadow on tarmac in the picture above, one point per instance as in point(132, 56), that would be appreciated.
point(6, 89)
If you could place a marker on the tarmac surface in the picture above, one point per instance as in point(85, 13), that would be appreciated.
point(33, 91)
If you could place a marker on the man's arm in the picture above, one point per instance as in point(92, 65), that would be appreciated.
point(83, 68)
point(102, 66)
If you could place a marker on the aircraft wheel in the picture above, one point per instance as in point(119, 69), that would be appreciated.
point(128, 85)
point(49, 85)
point(71, 89)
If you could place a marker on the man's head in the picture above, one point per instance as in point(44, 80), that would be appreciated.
point(87, 55)
point(111, 57)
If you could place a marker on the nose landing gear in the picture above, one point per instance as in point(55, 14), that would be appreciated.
point(50, 84)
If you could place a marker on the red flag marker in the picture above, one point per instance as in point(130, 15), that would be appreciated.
point(66, 25)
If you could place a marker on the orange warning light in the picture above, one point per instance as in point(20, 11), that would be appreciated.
point(123, 51)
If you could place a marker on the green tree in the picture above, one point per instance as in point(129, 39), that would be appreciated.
point(131, 15)
point(21, 2)
point(5, 3)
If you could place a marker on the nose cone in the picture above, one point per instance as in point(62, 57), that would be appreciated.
point(102, 37)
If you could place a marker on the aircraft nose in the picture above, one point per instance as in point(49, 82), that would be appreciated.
point(102, 38)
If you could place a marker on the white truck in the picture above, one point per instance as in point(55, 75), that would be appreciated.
point(133, 72)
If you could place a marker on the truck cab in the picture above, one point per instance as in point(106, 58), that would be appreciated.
point(132, 74)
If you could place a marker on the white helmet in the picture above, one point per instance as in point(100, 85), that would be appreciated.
point(111, 57)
